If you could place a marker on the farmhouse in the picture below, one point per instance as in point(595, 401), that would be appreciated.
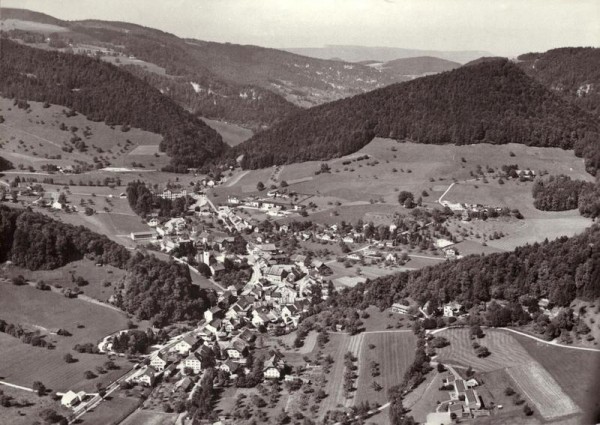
point(453, 309)
point(184, 346)
point(400, 308)
point(143, 236)
point(70, 398)
point(472, 399)
point(147, 377)
point(159, 362)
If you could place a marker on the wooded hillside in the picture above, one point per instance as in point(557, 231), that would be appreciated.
point(152, 289)
point(103, 92)
point(491, 102)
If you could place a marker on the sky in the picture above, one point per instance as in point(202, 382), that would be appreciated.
point(502, 27)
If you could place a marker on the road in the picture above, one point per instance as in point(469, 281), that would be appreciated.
point(445, 193)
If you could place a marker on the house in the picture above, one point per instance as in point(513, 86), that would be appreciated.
point(453, 309)
point(472, 399)
point(71, 398)
point(153, 222)
point(213, 313)
point(348, 239)
point(259, 319)
point(184, 384)
point(237, 349)
point(159, 362)
point(273, 367)
point(299, 260)
point(391, 257)
point(148, 377)
point(230, 366)
point(450, 253)
point(214, 326)
point(193, 361)
point(400, 308)
point(143, 236)
point(247, 335)
point(185, 345)
point(322, 268)
point(459, 388)
point(217, 270)
point(354, 256)
point(276, 274)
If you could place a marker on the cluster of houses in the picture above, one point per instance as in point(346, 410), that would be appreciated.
point(271, 206)
point(464, 403)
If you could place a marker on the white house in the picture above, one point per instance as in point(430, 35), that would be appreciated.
point(452, 309)
point(400, 308)
point(71, 398)
point(185, 345)
point(159, 362)
point(194, 362)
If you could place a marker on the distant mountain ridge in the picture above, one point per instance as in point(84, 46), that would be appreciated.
point(383, 54)
point(418, 66)
point(491, 102)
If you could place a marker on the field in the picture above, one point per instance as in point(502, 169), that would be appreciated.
point(112, 411)
point(530, 376)
point(576, 371)
point(393, 166)
point(61, 277)
point(337, 346)
point(45, 311)
point(394, 351)
point(232, 134)
point(540, 387)
point(145, 417)
point(505, 351)
point(34, 138)
point(28, 409)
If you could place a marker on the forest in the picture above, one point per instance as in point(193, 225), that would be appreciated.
point(572, 71)
point(5, 164)
point(561, 270)
point(561, 193)
point(103, 92)
point(152, 289)
point(491, 102)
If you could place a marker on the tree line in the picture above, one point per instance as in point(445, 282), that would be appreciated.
point(561, 270)
point(491, 102)
point(5, 164)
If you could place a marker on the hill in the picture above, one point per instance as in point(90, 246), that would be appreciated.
point(571, 72)
point(103, 92)
point(383, 54)
point(492, 102)
point(418, 66)
point(153, 54)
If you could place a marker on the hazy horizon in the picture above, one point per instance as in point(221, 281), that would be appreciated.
point(504, 27)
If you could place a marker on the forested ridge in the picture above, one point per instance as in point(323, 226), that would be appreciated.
point(573, 72)
point(491, 102)
point(103, 92)
point(152, 289)
point(561, 270)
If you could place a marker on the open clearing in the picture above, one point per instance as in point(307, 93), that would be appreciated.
point(394, 351)
point(232, 134)
point(23, 364)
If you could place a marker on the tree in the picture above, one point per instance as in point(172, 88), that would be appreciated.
point(39, 388)
point(68, 358)
point(260, 186)
point(527, 410)
point(283, 184)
